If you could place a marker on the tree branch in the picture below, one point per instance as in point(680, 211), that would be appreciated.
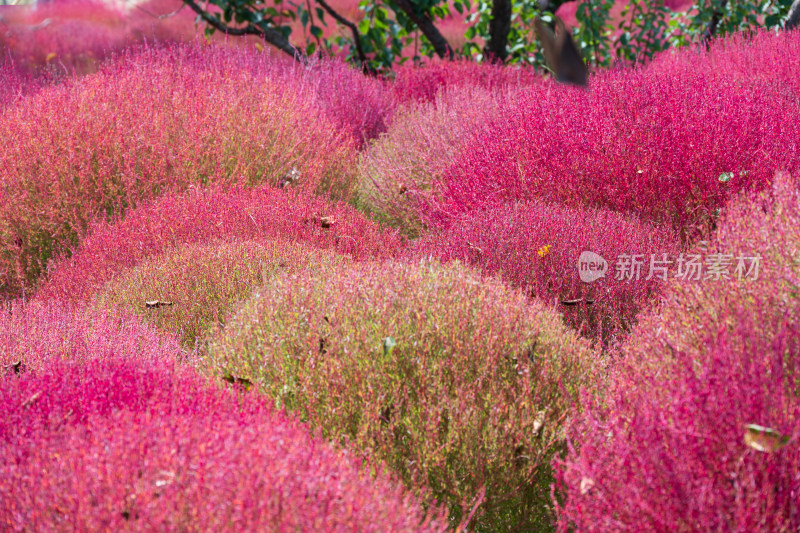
point(711, 29)
point(270, 35)
point(362, 57)
point(499, 27)
point(794, 16)
point(428, 29)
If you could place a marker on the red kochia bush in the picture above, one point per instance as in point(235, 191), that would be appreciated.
point(761, 55)
point(421, 83)
point(103, 430)
point(400, 168)
point(17, 83)
point(198, 216)
point(156, 120)
point(537, 245)
point(72, 36)
point(669, 147)
point(665, 448)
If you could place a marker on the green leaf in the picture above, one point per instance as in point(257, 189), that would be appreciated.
point(725, 176)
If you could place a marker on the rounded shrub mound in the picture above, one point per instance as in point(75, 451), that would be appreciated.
point(698, 430)
point(539, 246)
point(205, 215)
point(458, 383)
point(415, 83)
point(402, 168)
point(156, 120)
point(669, 148)
point(102, 429)
point(190, 290)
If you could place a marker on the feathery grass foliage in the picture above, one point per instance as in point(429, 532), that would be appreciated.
point(457, 382)
point(417, 83)
point(650, 144)
point(402, 167)
point(17, 83)
point(70, 37)
point(102, 429)
point(674, 443)
point(767, 56)
point(204, 215)
point(197, 286)
point(155, 120)
point(537, 245)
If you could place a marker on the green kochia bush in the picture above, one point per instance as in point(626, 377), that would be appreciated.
point(459, 383)
point(201, 283)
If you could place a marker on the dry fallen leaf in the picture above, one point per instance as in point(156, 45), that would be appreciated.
point(32, 399)
point(16, 368)
point(326, 222)
point(155, 304)
point(576, 301)
point(764, 439)
point(586, 485)
point(538, 422)
point(246, 383)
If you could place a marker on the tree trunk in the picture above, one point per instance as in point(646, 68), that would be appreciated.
point(711, 29)
point(499, 27)
point(270, 35)
point(794, 16)
point(428, 29)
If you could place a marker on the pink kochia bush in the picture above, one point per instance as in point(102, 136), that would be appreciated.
point(103, 430)
point(665, 448)
point(359, 105)
point(422, 83)
point(208, 215)
point(537, 246)
point(72, 36)
point(764, 55)
point(17, 83)
point(668, 147)
point(156, 120)
point(399, 169)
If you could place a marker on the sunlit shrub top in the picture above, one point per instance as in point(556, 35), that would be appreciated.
point(156, 120)
point(192, 289)
point(653, 145)
point(422, 83)
point(403, 168)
